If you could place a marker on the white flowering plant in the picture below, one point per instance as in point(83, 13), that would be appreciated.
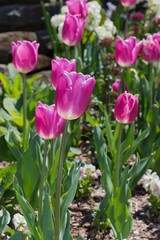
point(88, 173)
point(151, 183)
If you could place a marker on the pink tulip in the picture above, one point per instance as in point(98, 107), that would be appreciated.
point(126, 108)
point(128, 3)
point(72, 94)
point(127, 51)
point(72, 29)
point(116, 86)
point(156, 38)
point(77, 7)
point(60, 64)
point(25, 55)
point(151, 49)
point(49, 124)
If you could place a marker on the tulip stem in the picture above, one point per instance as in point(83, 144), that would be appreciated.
point(58, 184)
point(122, 87)
point(51, 159)
point(24, 111)
point(42, 181)
point(151, 83)
point(116, 180)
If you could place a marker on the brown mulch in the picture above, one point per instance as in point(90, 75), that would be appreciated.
point(145, 225)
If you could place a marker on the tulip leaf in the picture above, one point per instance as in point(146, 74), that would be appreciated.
point(128, 142)
point(18, 236)
point(115, 140)
point(3, 220)
point(12, 71)
point(79, 237)
point(109, 133)
point(28, 172)
point(74, 174)
point(47, 223)
point(27, 210)
point(101, 148)
point(5, 83)
point(65, 232)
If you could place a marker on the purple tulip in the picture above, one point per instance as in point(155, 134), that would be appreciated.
point(77, 7)
point(72, 94)
point(151, 49)
point(127, 51)
point(60, 64)
point(116, 86)
point(49, 124)
point(126, 108)
point(128, 3)
point(72, 29)
point(25, 55)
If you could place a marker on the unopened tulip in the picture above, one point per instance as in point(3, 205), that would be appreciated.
point(60, 64)
point(116, 85)
point(25, 55)
point(49, 124)
point(127, 51)
point(128, 3)
point(151, 49)
point(78, 7)
point(72, 94)
point(126, 108)
point(72, 29)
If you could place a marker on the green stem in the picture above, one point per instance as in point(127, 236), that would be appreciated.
point(42, 181)
point(122, 87)
point(51, 158)
point(151, 83)
point(58, 184)
point(116, 179)
point(126, 22)
point(24, 111)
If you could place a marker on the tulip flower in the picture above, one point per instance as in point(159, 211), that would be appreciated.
point(77, 7)
point(72, 94)
point(116, 86)
point(60, 64)
point(126, 108)
point(128, 3)
point(25, 55)
point(127, 51)
point(72, 29)
point(151, 48)
point(49, 124)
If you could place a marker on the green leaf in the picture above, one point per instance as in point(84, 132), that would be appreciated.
point(90, 119)
point(115, 139)
point(109, 133)
point(129, 140)
point(79, 237)
point(18, 236)
point(47, 224)
point(12, 71)
point(27, 210)
point(5, 83)
point(3, 220)
point(28, 172)
point(101, 148)
point(70, 195)
point(65, 232)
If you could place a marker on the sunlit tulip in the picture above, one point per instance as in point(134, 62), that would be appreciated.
point(72, 94)
point(127, 51)
point(126, 108)
point(116, 85)
point(72, 29)
point(60, 64)
point(25, 55)
point(128, 3)
point(77, 7)
point(151, 49)
point(49, 124)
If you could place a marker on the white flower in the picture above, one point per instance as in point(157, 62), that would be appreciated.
point(64, 9)
point(19, 222)
point(155, 187)
point(93, 18)
point(110, 26)
point(57, 20)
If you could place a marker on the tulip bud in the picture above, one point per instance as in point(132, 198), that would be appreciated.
point(25, 55)
point(72, 29)
point(126, 108)
point(116, 86)
point(77, 7)
point(49, 124)
point(128, 3)
point(72, 94)
point(60, 64)
point(151, 49)
point(127, 51)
